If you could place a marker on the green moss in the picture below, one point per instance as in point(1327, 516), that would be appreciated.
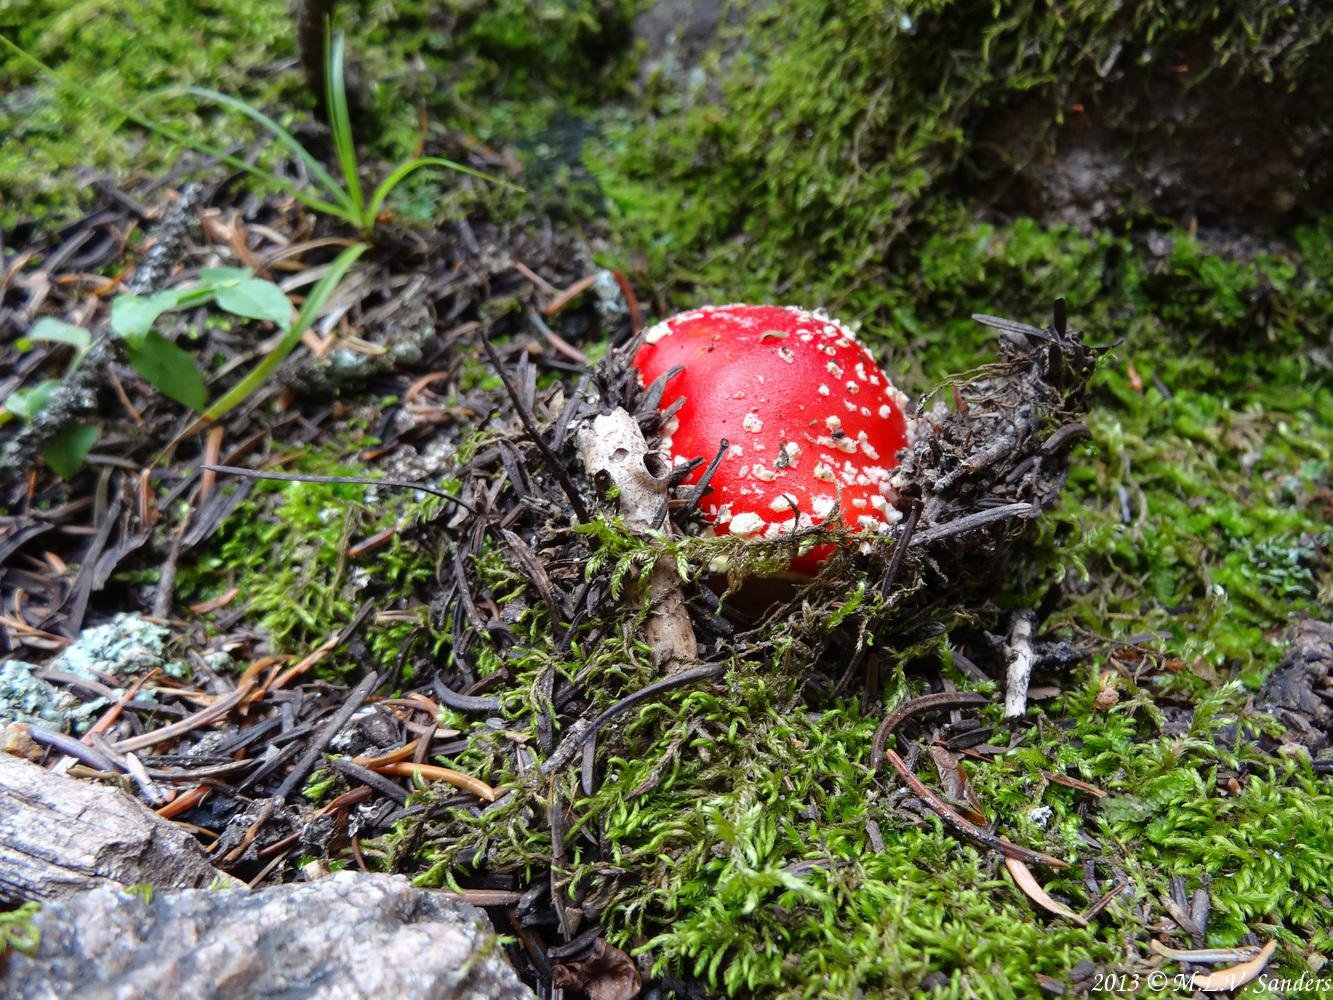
point(814, 166)
point(125, 51)
point(285, 548)
point(18, 930)
point(824, 134)
point(473, 71)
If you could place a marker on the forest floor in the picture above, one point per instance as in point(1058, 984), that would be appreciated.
point(724, 833)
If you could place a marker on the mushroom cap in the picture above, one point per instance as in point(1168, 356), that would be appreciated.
point(814, 425)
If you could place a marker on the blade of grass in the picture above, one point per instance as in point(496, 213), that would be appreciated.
point(316, 169)
point(403, 170)
point(171, 134)
point(340, 123)
point(314, 302)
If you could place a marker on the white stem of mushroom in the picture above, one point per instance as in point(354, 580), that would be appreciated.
point(614, 445)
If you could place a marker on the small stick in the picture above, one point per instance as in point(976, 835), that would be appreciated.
point(900, 550)
point(366, 776)
point(184, 803)
point(113, 713)
point(1021, 657)
point(72, 748)
point(204, 716)
point(552, 460)
point(939, 701)
point(331, 729)
point(971, 522)
point(965, 827)
point(292, 477)
point(432, 772)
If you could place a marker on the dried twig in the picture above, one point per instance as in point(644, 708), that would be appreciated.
point(941, 700)
point(1021, 658)
point(962, 825)
point(331, 729)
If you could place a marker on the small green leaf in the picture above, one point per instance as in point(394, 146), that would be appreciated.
point(314, 302)
point(55, 331)
point(27, 403)
point(256, 299)
point(65, 452)
point(216, 277)
point(170, 368)
point(132, 316)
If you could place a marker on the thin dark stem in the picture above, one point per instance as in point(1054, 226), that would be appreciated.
point(331, 729)
point(702, 487)
point(926, 703)
point(296, 477)
point(566, 483)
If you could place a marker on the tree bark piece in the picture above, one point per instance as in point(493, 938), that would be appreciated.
point(59, 836)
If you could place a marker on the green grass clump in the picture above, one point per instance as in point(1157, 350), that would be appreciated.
point(494, 71)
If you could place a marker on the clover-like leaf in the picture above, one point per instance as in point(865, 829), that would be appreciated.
point(255, 298)
point(170, 368)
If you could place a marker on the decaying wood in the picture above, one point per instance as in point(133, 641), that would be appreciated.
point(59, 836)
point(613, 447)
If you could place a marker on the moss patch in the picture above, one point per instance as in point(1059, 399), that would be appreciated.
point(466, 70)
point(285, 550)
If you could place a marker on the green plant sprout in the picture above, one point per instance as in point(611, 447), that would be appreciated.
point(65, 452)
point(344, 200)
point(315, 301)
point(169, 367)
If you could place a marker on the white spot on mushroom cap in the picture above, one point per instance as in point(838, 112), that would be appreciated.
point(752, 423)
point(663, 329)
point(746, 524)
point(823, 505)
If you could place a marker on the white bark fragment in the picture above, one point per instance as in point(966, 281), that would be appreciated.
point(1020, 663)
point(615, 446)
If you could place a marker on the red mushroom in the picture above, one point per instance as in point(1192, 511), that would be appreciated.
point(814, 425)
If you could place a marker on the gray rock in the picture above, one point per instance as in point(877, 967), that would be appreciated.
point(345, 936)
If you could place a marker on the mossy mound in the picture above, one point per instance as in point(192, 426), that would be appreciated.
point(834, 159)
point(816, 139)
point(462, 72)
